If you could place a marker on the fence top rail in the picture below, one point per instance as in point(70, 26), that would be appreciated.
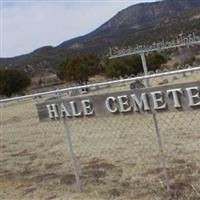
point(175, 72)
point(132, 52)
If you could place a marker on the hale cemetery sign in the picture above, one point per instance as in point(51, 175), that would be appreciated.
point(179, 97)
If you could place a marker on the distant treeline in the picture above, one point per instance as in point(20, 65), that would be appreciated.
point(79, 69)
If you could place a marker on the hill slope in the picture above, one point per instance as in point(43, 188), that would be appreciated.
point(138, 24)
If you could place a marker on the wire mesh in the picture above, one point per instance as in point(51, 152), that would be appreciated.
point(118, 157)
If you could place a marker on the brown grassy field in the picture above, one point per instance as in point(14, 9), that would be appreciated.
point(118, 157)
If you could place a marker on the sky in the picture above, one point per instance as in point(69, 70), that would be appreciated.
point(29, 24)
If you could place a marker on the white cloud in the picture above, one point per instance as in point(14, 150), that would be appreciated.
point(27, 26)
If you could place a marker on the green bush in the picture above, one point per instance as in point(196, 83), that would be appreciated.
point(133, 65)
point(190, 60)
point(123, 66)
point(79, 69)
point(155, 60)
point(12, 82)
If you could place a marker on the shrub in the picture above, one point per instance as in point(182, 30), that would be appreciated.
point(190, 61)
point(79, 69)
point(123, 66)
point(133, 65)
point(155, 60)
point(13, 81)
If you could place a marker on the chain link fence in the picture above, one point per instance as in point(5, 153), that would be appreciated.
point(118, 157)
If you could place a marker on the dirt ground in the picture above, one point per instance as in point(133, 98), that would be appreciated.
point(118, 157)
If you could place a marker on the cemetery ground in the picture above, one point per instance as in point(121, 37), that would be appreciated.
point(118, 157)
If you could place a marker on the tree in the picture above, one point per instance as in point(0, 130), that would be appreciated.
point(79, 69)
point(155, 60)
point(133, 65)
point(190, 60)
point(123, 66)
point(13, 81)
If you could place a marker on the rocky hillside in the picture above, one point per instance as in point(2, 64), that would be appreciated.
point(138, 24)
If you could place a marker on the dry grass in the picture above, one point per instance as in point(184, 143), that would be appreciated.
point(118, 157)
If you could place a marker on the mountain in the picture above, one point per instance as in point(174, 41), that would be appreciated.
point(138, 24)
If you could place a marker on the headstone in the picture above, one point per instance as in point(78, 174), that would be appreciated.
point(165, 81)
point(137, 84)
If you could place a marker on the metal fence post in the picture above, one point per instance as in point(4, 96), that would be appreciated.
point(161, 149)
point(144, 64)
point(162, 155)
point(71, 151)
